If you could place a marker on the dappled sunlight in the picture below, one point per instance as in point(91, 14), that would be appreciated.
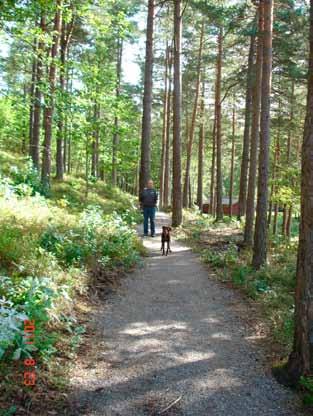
point(144, 328)
point(220, 335)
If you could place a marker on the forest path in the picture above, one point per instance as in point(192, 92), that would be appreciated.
point(171, 333)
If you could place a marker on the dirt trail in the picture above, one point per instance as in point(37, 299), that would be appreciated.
point(171, 333)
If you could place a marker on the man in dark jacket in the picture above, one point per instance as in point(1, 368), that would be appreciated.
point(148, 200)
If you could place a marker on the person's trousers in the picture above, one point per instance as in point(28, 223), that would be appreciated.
point(149, 213)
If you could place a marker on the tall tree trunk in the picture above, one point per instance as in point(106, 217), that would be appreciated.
point(289, 221)
point(260, 236)
point(49, 108)
point(246, 134)
point(201, 151)
point(212, 184)
point(69, 140)
point(35, 140)
point(276, 210)
point(275, 165)
point(164, 128)
point(177, 191)
point(301, 358)
point(147, 102)
point(32, 98)
point(286, 215)
point(255, 130)
point(232, 163)
point(218, 112)
point(167, 168)
point(95, 143)
point(116, 121)
point(66, 34)
point(193, 120)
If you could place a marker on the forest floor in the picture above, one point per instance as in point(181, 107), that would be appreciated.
point(171, 336)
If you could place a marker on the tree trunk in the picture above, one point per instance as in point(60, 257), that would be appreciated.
point(201, 151)
point(32, 99)
point(193, 120)
point(286, 216)
point(212, 184)
point(232, 163)
point(275, 164)
point(177, 191)
point(35, 141)
point(255, 130)
point(246, 134)
point(95, 144)
point(260, 236)
point(49, 108)
point(276, 207)
point(301, 359)
point(69, 141)
point(147, 102)
point(168, 137)
point(116, 121)
point(289, 221)
point(66, 35)
point(218, 111)
point(164, 128)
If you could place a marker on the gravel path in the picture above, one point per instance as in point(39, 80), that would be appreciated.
point(170, 333)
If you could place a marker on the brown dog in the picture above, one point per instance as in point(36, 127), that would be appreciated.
point(166, 238)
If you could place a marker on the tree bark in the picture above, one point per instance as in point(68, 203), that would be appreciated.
point(301, 358)
point(66, 34)
point(147, 102)
point(212, 184)
point(116, 121)
point(50, 98)
point(286, 225)
point(201, 151)
point(32, 98)
point(255, 130)
point(35, 140)
point(275, 165)
point(177, 191)
point(193, 120)
point(232, 163)
point(260, 236)
point(218, 112)
point(246, 134)
point(95, 144)
point(164, 127)
point(168, 138)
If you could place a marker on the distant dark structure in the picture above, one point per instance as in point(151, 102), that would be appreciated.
point(206, 207)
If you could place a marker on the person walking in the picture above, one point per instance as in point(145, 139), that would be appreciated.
point(148, 200)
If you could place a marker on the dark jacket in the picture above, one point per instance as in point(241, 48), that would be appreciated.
point(148, 198)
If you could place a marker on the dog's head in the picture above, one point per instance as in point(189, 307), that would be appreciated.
point(166, 230)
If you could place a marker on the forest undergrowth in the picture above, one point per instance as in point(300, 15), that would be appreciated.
point(59, 252)
point(270, 289)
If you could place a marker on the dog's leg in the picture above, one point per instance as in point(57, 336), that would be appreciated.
point(169, 246)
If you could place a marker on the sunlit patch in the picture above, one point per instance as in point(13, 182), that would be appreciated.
point(220, 335)
point(145, 328)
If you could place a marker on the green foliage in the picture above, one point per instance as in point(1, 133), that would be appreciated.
point(46, 246)
point(307, 384)
point(272, 286)
point(26, 181)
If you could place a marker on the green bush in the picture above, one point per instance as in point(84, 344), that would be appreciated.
point(26, 181)
point(307, 384)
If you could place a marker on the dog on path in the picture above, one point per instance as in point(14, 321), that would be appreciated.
point(166, 238)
